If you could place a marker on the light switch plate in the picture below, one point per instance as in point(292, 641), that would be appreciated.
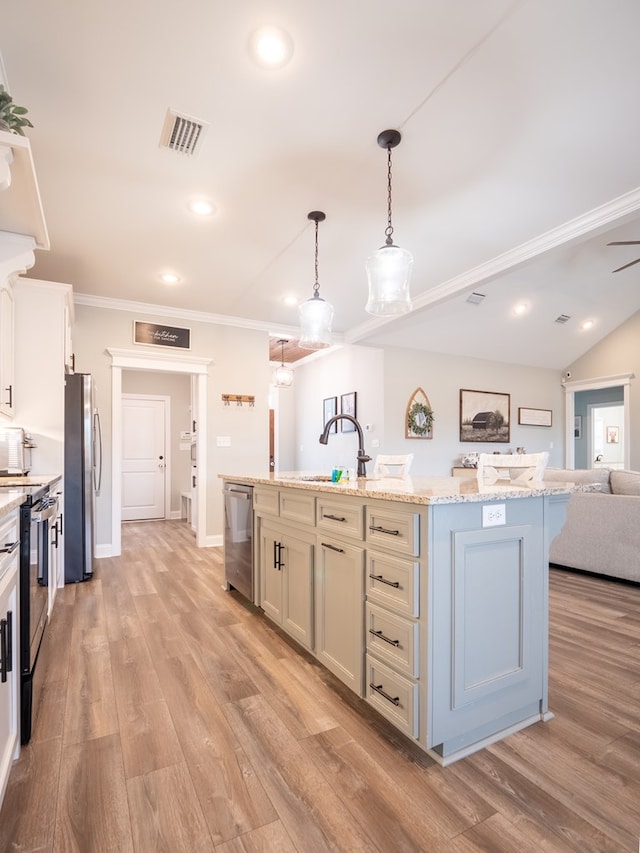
point(223, 441)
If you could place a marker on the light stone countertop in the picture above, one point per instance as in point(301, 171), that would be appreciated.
point(14, 490)
point(415, 490)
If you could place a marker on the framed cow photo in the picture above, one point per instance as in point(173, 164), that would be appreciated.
point(484, 416)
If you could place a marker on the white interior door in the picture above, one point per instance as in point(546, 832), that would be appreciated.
point(144, 457)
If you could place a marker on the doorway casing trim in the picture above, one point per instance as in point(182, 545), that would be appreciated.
point(570, 388)
point(122, 359)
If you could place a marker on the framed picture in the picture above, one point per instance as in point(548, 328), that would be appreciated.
point(484, 416)
point(577, 426)
point(613, 435)
point(329, 409)
point(534, 417)
point(348, 407)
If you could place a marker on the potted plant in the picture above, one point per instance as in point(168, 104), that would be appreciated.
point(12, 117)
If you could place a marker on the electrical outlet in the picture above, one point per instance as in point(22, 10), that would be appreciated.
point(493, 515)
point(375, 442)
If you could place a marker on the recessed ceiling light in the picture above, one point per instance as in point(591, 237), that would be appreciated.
point(588, 324)
point(290, 300)
point(169, 278)
point(201, 207)
point(520, 309)
point(271, 47)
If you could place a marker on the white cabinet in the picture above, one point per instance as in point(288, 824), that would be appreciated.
point(22, 229)
point(43, 313)
point(6, 349)
point(9, 660)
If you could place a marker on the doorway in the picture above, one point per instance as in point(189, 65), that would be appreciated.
point(164, 363)
point(581, 397)
point(146, 461)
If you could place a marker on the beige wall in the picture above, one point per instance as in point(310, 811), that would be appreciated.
point(239, 365)
point(618, 353)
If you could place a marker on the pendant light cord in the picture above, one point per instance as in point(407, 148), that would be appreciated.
point(389, 229)
point(316, 286)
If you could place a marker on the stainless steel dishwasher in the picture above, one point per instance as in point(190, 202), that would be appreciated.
point(238, 538)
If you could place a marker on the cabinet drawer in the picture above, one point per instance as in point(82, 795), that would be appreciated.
point(9, 536)
point(398, 530)
point(395, 697)
point(393, 582)
point(393, 638)
point(298, 506)
point(340, 517)
point(266, 501)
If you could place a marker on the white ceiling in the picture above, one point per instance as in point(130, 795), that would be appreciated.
point(520, 126)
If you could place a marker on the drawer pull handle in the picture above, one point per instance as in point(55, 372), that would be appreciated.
point(333, 547)
point(384, 530)
point(9, 547)
point(334, 517)
point(378, 689)
point(394, 584)
point(381, 636)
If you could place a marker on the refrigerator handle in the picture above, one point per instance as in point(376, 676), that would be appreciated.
point(97, 451)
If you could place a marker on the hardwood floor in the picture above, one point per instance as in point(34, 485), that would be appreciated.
point(175, 718)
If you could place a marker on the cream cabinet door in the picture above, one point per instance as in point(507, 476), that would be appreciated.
point(339, 607)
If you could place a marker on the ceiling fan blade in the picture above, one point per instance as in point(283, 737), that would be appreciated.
point(637, 261)
point(625, 243)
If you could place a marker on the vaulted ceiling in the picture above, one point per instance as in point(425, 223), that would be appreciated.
point(518, 162)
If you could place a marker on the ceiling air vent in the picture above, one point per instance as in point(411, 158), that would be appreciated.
point(475, 298)
point(562, 318)
point(182, 133)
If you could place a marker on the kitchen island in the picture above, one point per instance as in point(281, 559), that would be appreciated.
point(427, 596)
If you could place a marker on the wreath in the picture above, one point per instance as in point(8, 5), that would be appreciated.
point(420, 419)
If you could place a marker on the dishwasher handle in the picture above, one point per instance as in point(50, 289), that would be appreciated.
point(238, 495)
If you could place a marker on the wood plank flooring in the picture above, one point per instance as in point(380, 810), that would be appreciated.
point(175, 718)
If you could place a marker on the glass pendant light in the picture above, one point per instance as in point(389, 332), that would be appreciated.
point(389, 269)
point(283, 375)
point(316, 314)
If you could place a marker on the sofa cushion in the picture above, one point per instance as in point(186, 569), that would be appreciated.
point(625, 482)
point(580, 477)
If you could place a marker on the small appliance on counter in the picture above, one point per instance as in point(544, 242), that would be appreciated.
point(15, 452)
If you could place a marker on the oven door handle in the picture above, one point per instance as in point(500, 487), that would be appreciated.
point(46, 513)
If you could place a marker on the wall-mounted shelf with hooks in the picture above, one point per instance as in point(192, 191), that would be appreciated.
point(238, 399)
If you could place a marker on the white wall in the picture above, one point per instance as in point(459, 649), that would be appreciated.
point(351, 368)
point(176, 386)
point(442, 376)
point(385, 381)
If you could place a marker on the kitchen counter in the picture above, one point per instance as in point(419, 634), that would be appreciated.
point(416, 490)
point(15, 490)
point(427, 596)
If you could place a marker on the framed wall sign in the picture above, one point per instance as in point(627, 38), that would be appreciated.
point(329, 409)
point(348, 407)
point(159, 335)
point(484, 416)
point(534, 417)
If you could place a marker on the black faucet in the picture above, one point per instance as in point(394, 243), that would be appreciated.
point(362, 456)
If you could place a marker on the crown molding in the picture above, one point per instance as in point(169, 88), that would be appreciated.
point(591, 223)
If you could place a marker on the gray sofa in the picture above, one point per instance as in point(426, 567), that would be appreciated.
point(602, 529)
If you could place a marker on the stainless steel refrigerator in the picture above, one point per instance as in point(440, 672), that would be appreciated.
point(82, 475)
